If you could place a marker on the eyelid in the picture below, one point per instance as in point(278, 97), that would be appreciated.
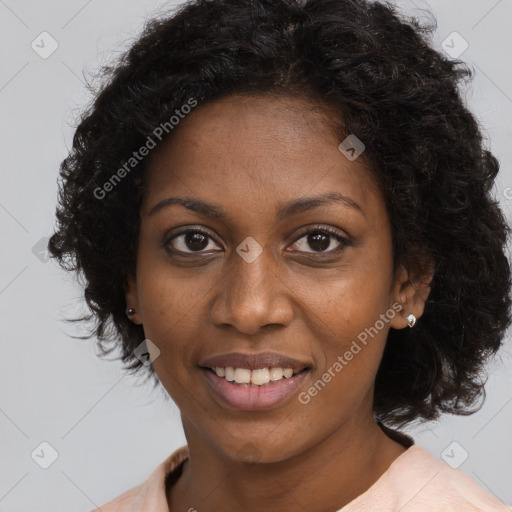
point(329, 229)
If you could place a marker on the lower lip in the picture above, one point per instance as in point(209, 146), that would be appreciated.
point(249, 397)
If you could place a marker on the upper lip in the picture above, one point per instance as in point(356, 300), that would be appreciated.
point(253, 361)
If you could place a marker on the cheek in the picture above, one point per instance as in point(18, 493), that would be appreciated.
point(350, 338)
point(168, 301)
point(347, 301)
point(350, 313)
point(170, 310)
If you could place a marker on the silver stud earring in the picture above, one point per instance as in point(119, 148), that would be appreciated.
point(411, 320)
point(130, 312)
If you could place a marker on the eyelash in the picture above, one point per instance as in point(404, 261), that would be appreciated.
point(344, 242)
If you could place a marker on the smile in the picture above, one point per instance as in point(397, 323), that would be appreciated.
point(249, 395)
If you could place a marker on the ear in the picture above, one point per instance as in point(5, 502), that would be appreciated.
point(412, 293)
point(132, 300)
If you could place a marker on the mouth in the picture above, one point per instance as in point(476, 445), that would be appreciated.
point(254, 381)
point(276, 388)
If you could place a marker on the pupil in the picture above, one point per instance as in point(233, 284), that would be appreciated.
point(195, 241)
point(318, 241)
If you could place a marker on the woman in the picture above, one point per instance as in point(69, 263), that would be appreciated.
point(282, 211)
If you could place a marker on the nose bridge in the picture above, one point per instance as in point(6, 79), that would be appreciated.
point(252, 276)
point(251, 293)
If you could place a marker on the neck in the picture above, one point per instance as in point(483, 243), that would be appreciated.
point(326, 476)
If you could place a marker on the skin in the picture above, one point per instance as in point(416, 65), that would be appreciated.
point(247, 155)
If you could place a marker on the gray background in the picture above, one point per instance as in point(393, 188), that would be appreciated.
point(110, 434)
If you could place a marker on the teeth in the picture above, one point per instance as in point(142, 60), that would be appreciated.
point(276, 373)
point(242, 375)
point(258, 377)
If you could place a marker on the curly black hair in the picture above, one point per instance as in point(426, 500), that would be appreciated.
point(378, 72)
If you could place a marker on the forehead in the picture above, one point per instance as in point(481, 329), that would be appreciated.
point(257, 149)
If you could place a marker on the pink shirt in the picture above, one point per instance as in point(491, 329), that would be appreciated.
point(415, 482)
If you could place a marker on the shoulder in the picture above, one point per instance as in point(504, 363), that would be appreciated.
point(418, 482)
point(150, 494)
point(450, 488)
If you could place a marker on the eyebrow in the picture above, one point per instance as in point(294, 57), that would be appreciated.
point(284, 210)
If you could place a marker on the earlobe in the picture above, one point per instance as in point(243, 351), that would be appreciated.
point(132, 302)
point(412, 296)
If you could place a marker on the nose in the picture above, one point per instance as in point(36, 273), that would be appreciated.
point(251, 296)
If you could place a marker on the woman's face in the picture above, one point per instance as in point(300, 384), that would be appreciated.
point(252, 281)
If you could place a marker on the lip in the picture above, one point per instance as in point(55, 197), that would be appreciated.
point(254, 361)
point(250, 397)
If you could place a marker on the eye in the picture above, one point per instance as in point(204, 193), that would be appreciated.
point(192, 240)
point(321, 238)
